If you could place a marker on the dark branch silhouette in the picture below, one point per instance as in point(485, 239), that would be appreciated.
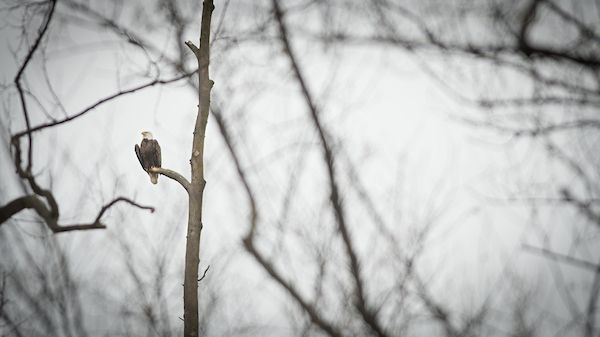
point(35, 203)
point(20, 73)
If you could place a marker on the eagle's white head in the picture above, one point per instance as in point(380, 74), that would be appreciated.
point(147, 135)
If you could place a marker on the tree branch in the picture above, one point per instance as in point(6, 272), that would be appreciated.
point(369, 315)
point(590, 321)
point(33, 202)
point(563, 258)
point(193, 48)
point(583, 206)
point(173, 175)
point(248, 240)
point(154, 82)
point(528, 19)
point(26, 202)
point(20, 73)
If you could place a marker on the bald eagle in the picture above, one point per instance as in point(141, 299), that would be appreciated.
point(148, 153)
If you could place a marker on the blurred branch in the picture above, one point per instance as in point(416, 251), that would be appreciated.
point(368, 314)
point(439, 313)
point(583, 28)
point(570, 162)
point(248, 240)
point(173, 175)
point(529, 17)
point(563, 258)
point(176, 19)
point(590, 321)
point(240, 171)
point(108, 23)
point(154, 82)
point(584, 206)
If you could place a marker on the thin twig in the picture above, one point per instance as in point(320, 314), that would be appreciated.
point(106, 99)
point(563, 258)
point(204, 274)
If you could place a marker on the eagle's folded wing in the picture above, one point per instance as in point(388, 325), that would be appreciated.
point(159, 159)
point(139, 155)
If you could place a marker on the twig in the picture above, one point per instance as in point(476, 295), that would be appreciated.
point(563, 258)
point(204, 275)
point(154, 82)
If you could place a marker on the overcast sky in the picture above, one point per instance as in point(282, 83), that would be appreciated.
point(394, 121)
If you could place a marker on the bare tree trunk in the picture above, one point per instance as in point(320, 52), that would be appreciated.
point(192, 252)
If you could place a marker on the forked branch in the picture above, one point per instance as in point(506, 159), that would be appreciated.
point(33, 202)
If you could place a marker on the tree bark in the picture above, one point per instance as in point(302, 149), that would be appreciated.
point(196, 190)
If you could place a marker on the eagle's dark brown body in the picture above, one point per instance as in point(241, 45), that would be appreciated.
point(148, 153)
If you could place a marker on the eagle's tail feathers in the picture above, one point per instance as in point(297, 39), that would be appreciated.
point(154, 178)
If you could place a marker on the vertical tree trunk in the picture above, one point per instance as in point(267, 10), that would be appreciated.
point(192, 252)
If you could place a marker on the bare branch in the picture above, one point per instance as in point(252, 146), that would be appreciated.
point(17, 205)
point(240, 171)
point(590, 321)
point(527, 21)
point(33, 202)
point(173, 175)
point(20, 72)
point(368, 314)
point(441, 314)
point(583, 28)
point(100, 102)
point(563, 258)
point(121, 199)
point(193, 48)
point(312, 312)
point(204, 274)
point(583, 206)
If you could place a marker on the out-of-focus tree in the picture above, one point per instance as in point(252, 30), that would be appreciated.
point(531, 68)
